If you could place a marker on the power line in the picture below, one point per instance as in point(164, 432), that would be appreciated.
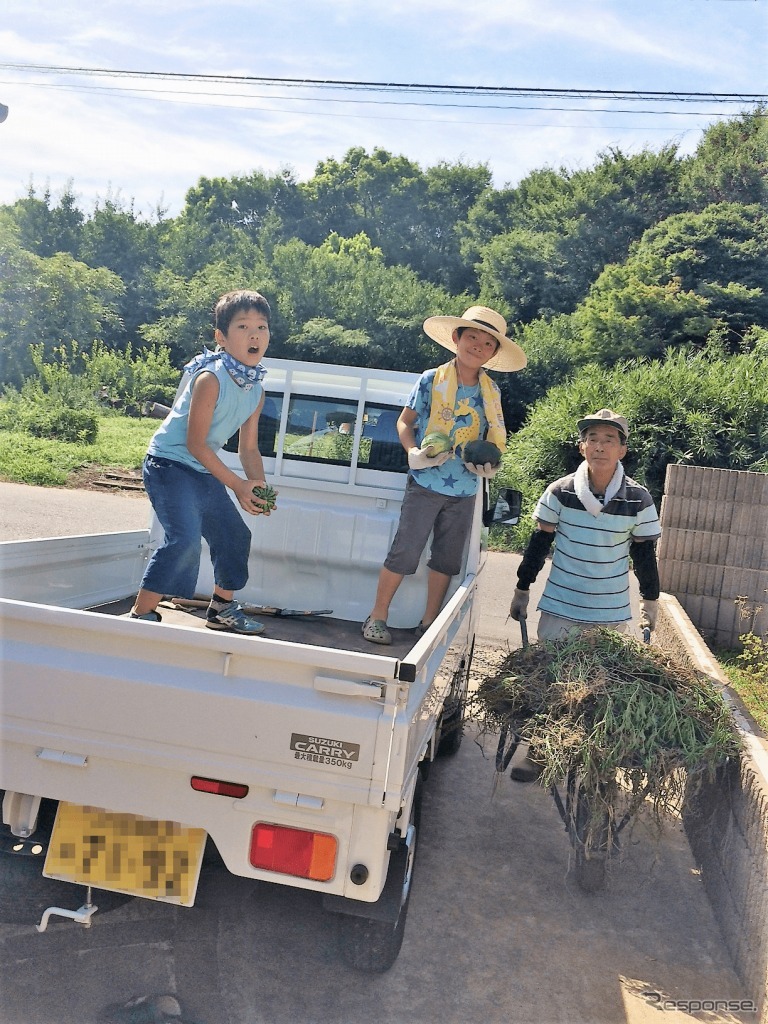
point(181, 93)
point(528, 92)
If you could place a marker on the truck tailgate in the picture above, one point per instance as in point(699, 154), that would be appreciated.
point(104, 689)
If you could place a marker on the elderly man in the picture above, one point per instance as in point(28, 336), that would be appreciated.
point(598, 518)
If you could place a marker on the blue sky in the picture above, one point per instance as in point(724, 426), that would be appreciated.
point(147, 142)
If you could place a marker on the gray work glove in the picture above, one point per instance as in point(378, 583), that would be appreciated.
point(649, 610)
point(518, 609)
point(417, 459)
point(487, 471)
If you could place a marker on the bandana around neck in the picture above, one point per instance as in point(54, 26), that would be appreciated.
point(592, 504)
point(244, 376)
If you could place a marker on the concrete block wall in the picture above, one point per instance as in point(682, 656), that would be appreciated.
point(714, 549)
point(726, 822)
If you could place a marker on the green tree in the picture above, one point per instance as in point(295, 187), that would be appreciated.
point(348, 282)
point(47, 228)
point(411, 215)
point(637, 309)
point(553, 349)
point(706, 408)
point(452, 191)
point(185, 306)
point(614, 203)
point(115, 238)
point(720, 253)
point(541, 202)
point(246, 203)
point(731, 162)
point(324, 341)
point(50, 302)
point(560, 229)
point(522, 271)
point(687, 274)
point(378, 194)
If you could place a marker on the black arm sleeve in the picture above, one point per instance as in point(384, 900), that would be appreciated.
point(534, 557)
point(644, 562)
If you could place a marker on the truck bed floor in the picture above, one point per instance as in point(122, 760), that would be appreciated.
point(321, 631)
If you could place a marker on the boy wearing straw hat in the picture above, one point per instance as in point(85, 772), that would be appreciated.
point(458, 399)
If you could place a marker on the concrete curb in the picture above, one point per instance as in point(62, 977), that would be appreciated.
point(727, 822)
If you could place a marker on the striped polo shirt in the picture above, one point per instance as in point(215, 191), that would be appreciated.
point(589, 576)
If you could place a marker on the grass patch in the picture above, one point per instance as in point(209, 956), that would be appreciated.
point(749, 685)
point(122, 442)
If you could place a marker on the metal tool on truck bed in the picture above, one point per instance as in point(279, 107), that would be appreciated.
point(192, 603)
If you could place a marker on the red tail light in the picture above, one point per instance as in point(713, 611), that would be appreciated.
point(293, 851)
point(219, 788)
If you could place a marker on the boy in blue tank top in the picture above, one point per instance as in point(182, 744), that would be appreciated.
point(187, 482)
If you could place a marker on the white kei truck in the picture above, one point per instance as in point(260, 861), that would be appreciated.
point(134, 752)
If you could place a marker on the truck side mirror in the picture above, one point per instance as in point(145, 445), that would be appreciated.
point(506, 511)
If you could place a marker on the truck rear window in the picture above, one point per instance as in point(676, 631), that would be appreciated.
point(323, 430)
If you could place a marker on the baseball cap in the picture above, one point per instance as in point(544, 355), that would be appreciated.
point(605, 418)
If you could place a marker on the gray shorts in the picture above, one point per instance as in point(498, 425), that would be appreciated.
point(422, 512)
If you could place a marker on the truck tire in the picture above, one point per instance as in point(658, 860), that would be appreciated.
point(451, 730)
point(591, 845)
point(452, 719)
point(25, 893)
point(370, 944)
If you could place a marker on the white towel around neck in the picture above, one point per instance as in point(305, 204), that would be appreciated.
point(592, 504)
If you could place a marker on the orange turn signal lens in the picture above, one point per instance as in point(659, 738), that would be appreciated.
point(293, 851)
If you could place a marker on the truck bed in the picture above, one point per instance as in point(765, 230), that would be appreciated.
point(317, 631)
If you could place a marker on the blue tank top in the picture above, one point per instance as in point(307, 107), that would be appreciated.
point(233, 407)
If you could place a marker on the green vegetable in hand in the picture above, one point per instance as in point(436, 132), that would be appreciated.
point(268, 495)
point(435, 444)
point(480, 452)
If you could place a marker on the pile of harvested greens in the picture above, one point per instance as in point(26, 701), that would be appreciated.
point(636, 724)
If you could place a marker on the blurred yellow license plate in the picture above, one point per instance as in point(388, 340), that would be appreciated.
point(159, 860)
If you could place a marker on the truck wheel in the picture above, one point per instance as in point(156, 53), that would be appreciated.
point(452, 720)
point(373, 945)
point(451, 730)
point(591, 844)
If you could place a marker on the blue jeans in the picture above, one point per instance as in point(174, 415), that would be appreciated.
point(191, 506)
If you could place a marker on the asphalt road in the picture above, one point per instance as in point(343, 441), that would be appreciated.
point(497, 932)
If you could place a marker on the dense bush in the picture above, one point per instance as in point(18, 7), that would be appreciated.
point(128, 382)
point(65, 396)
point(705, 408)
point(78, 425)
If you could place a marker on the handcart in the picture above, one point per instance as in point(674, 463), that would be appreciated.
point(593, 831)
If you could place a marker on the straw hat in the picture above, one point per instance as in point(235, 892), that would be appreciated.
point(508, 357)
